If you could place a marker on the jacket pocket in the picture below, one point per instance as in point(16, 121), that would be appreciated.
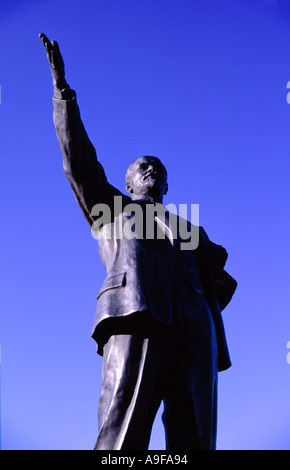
point(112, 282)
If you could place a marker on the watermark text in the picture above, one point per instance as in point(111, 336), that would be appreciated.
point(149, 221)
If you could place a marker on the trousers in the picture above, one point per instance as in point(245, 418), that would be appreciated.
point(145, 363)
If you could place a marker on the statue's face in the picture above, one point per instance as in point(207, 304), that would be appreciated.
point(148, 179)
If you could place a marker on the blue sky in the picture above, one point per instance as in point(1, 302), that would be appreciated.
point(202, 85)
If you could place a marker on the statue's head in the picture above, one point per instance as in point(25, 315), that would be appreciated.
point(146, 178)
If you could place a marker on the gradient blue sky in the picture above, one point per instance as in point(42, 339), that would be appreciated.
point(202, 85)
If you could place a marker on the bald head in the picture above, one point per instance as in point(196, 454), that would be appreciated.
point(146, 178)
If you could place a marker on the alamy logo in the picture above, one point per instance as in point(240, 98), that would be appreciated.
point(288, 354)
point(288, 94)
point(148, 221)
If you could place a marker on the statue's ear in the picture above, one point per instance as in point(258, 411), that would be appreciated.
point(128, 188)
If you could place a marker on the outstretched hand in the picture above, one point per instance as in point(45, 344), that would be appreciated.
point(55, 61)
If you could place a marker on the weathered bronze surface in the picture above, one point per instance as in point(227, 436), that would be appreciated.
point(158, 321)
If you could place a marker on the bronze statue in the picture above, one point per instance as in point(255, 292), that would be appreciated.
point(158, 321)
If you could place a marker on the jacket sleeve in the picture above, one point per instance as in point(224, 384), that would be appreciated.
point(84, 172)
point(219, 288)
point(213, 259)
point(215, 256)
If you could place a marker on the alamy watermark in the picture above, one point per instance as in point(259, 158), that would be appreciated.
point(148, 221)
point(288, 94)
point(288, 354)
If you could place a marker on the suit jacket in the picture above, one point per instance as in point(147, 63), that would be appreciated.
point(140, 271)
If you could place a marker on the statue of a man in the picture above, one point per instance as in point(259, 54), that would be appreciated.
point(158, 322)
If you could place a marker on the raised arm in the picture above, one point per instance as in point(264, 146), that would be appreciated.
point(84, 172)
